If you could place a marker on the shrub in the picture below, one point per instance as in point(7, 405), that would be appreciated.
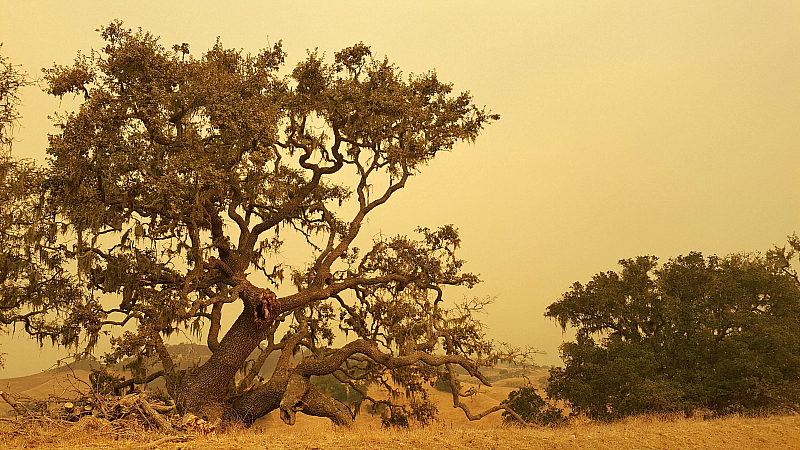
point(532, 408)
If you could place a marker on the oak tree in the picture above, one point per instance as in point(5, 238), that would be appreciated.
point(696, 332)
point(171, 193)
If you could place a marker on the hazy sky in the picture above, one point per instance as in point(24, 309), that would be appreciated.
point(628, 127)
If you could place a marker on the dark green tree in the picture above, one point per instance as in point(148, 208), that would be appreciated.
point(716, 333)
point(170, 192)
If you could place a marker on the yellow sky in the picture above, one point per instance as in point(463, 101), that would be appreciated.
point(628, 128)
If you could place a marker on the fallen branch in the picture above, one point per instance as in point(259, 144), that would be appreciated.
point(162, 409)
point(18, 407)
point(161, 422)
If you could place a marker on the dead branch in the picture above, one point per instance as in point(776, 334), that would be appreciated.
point(18, 407)
point(127, 383)
point(161, 423)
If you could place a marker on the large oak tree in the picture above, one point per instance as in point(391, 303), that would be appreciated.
point(170, 192)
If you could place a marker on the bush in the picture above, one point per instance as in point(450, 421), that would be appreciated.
point(532, 408)
point(335, 388)
point(442, 383)
point(102, 381)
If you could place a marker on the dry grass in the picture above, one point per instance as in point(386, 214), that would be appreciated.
point(775, 432)
point(451, 432)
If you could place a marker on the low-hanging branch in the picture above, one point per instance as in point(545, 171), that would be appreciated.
point(335, 358)
point(138, 380)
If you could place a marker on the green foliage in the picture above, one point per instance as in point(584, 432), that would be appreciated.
point(36, 290)
point(336, 389)
point(102, 381)
point(21, 271)
point(443, 383)
point(532, 408)
point(716, 333)
point(419, 409)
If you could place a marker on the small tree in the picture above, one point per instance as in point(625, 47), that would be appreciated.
point(716, 333)
point(529, 407)
point(170, 193)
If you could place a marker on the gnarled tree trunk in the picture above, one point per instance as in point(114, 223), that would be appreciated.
point(205, 391)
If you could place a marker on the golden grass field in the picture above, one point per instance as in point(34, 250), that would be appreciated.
point(451, 431)
point(775, 432)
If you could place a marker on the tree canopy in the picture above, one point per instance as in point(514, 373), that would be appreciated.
point(696, 332)
point(171, 192)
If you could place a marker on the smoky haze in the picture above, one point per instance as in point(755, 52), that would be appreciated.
point(628, 128)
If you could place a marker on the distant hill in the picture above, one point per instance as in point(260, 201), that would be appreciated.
point(68, 379)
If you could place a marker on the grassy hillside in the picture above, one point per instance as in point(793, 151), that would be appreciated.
point(451, 431)
point(68, 380)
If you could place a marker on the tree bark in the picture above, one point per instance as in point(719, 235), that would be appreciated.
point(204, 392)
point(259, 401)
point(290, 395)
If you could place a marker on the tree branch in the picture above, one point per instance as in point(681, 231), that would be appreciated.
point(130, 382)
point(457, 403)
point(214, 328)
point(333, 360)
